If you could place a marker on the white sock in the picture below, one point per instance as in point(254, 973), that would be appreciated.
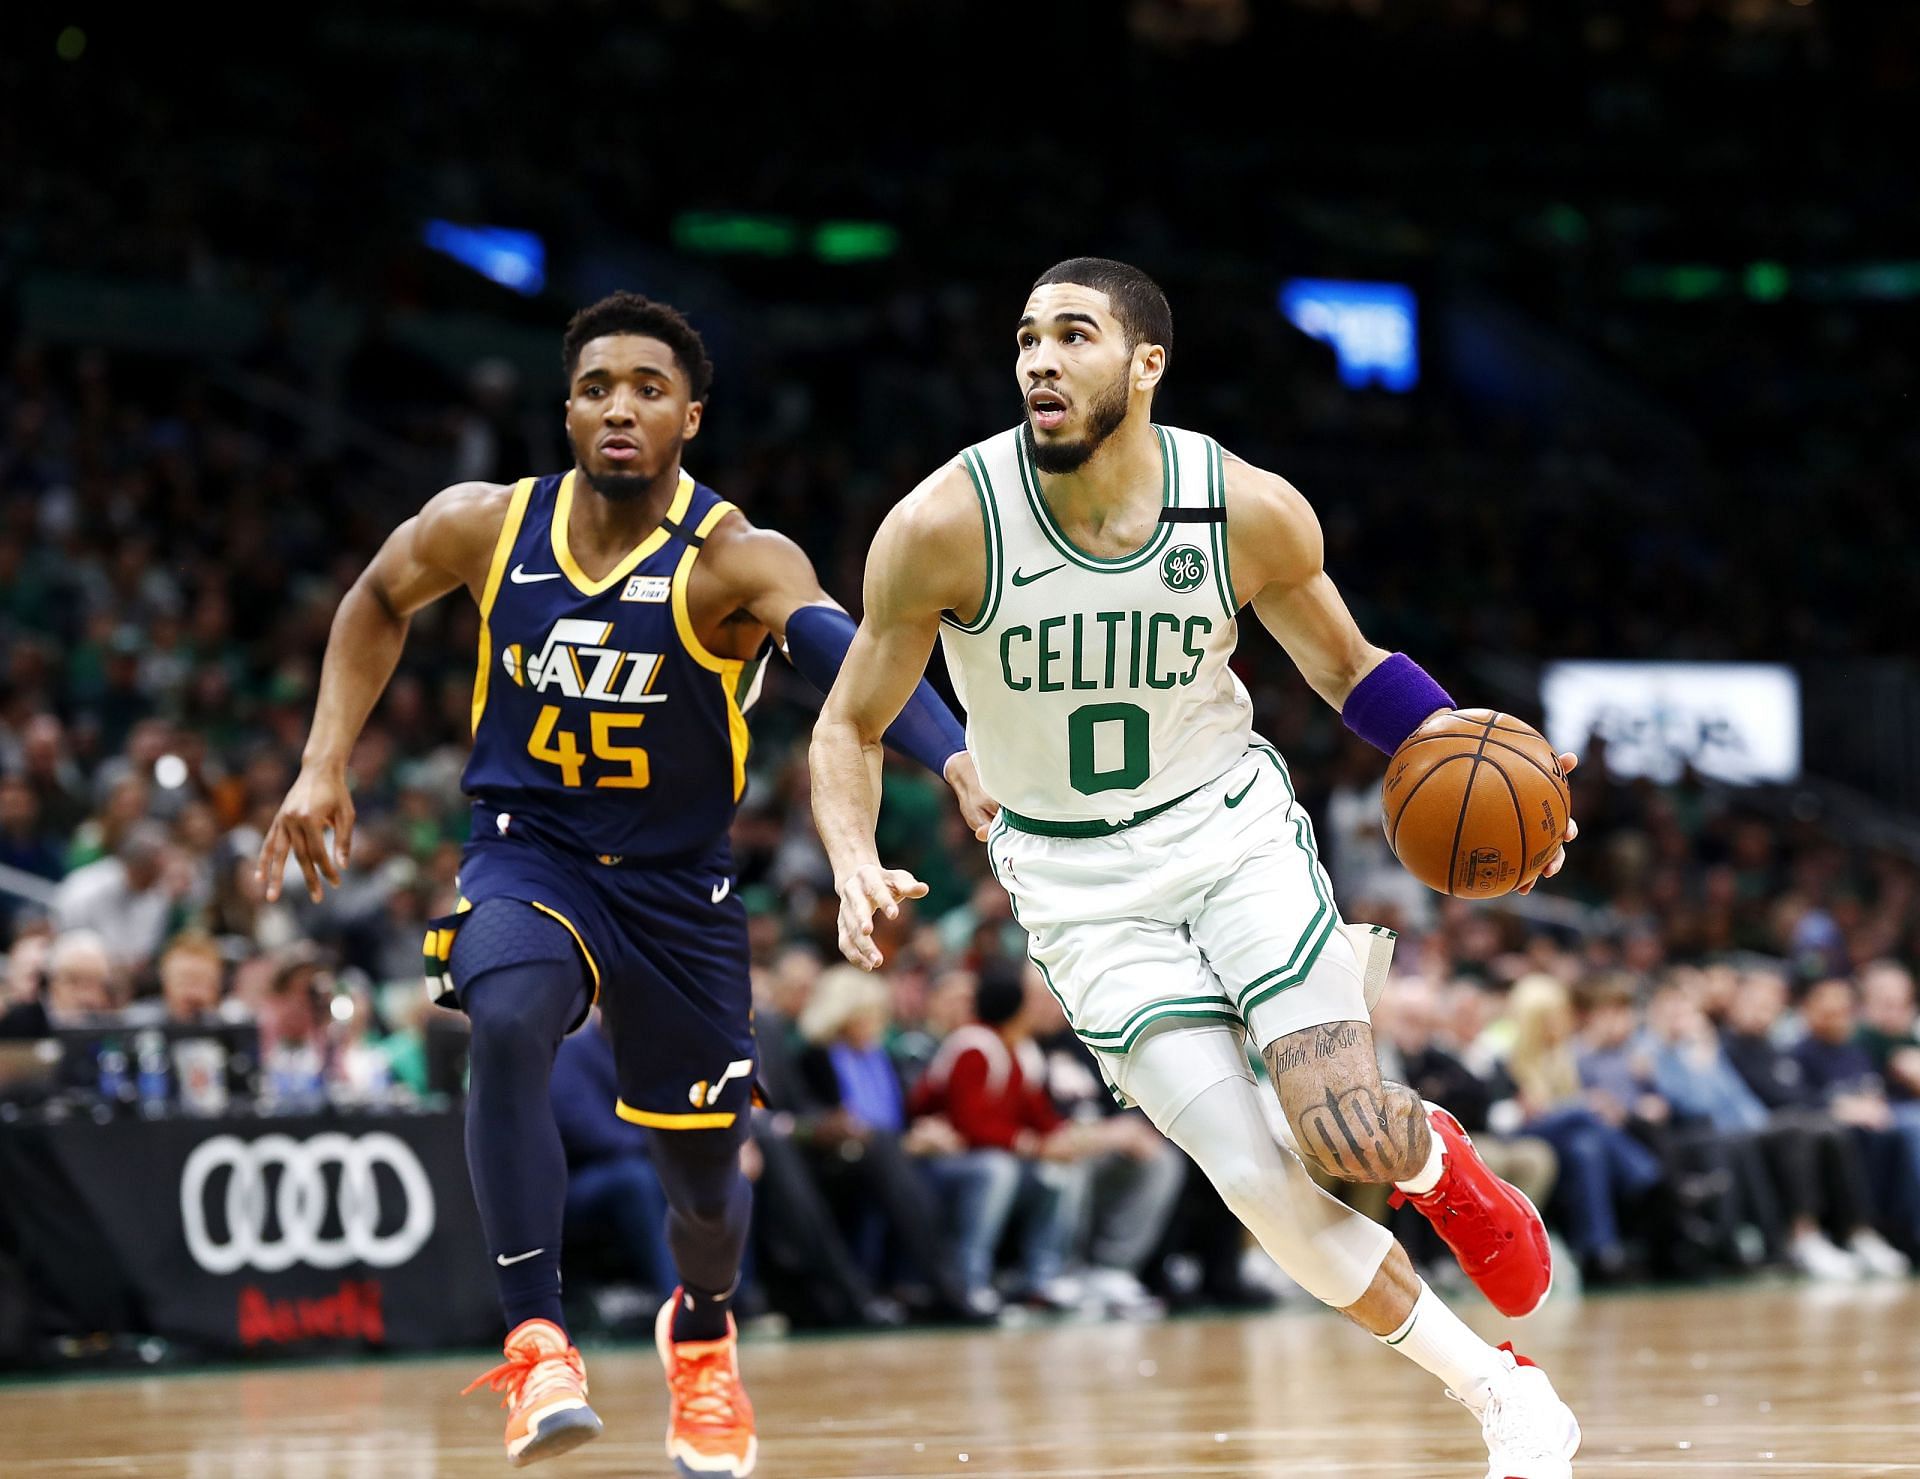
point(1435, 1338)
point(1428, 1176)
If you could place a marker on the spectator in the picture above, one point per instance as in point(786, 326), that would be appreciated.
point(805, 1256)
point(26, 842)
point(1022, 1159)
point(1371, 882)
point(1603, 1169)
point(192, 974)
point(47, 765)
point(1833, 1162)
point(859, 1134)
point(1770, 1163)
point(1405, 1025)
point(1889, 1033)
point(296, 1048)
point(26, 967)
point(1616, 1068)
point(77, 988)
point(126, 899)
point(1842, 1071)
point(1134, 1182)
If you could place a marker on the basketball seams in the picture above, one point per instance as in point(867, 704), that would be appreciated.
point(1519, 815)
point(1479, 736)
point(1393, 834)
point(1552, 774)
point(1466, 799)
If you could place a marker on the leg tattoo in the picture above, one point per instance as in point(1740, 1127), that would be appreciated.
point(1348, 1122)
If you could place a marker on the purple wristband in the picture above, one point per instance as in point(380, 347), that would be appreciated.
point(1392, 701)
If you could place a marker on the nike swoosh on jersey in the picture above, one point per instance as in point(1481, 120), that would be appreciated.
point(1020, 577)
point(518, 575)
point(722, 889)
point(506, 1262)
point(1241, 795)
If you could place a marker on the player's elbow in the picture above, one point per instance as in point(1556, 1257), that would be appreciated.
point(837, 737)
point(368, 603)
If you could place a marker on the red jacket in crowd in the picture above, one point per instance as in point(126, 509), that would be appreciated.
point(987, 1091)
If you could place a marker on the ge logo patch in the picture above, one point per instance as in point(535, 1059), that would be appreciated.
point(1183, 568)
point(280, 1206)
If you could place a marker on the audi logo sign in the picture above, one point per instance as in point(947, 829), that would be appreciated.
point(272, 1230)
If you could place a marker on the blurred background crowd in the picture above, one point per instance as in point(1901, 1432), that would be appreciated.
point(1664, 410)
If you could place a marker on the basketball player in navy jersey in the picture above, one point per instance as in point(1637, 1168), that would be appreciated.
point(625, 610)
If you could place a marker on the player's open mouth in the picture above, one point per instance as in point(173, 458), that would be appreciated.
point(1048, 409)
point(619, 449)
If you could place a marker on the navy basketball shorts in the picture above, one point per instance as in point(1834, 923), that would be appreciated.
point(666, 951)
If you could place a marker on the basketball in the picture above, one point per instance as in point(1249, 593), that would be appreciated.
point(1474, 803)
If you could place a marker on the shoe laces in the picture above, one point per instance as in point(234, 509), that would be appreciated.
point(707, 1387)
point(511, 1375)
point(1511, 1419)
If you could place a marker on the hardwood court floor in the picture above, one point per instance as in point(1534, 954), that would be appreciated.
point(1799, 1381)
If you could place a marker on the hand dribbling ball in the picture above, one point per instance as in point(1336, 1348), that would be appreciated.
point(1474, 803)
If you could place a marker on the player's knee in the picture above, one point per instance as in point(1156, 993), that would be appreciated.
point(706, 1203)
point(1244, 1181)
point(509, 1017)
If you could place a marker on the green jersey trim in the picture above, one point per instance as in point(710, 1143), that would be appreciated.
point(1056, 536)
point(1306, 953)
point(1218, 1012)
point(996, 557)
point(1041, 827)
point(1217, 497)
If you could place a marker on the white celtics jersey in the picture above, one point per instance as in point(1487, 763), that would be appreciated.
point(1098, 690)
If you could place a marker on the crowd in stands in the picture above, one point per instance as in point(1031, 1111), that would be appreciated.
point(1705, 1059)
point(1696, 1049)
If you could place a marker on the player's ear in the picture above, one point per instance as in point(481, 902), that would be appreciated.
point(1149, 364)
point(690, 428)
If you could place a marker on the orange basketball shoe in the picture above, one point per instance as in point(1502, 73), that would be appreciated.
point(545, 1382)
point(709, 1419)
point(1492, 1228)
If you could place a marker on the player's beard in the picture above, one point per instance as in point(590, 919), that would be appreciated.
point(1105, 412)
point(624, 487)
point(619, 487)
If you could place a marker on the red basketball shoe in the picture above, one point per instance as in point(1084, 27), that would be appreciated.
point(1492, 1228)
point(709, 1419)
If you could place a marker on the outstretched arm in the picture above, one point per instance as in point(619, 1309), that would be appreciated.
point(1276, 540)
point(448, 542)
point(774, 584)
point(925, 559)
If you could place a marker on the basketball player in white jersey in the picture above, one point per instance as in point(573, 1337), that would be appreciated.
point(1085, 572)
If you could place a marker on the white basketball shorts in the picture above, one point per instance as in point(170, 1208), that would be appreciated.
point(1215, 910)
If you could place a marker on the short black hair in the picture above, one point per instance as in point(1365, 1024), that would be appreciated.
point(630, 313)
point(1137, 300)
point(1000, 991)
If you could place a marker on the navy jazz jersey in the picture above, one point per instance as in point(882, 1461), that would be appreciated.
point(600, 724)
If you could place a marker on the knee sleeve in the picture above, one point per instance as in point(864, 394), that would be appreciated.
point(1330, 1250)
point(519, 976)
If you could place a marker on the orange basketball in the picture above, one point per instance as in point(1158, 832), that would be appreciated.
point(1474, 803)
